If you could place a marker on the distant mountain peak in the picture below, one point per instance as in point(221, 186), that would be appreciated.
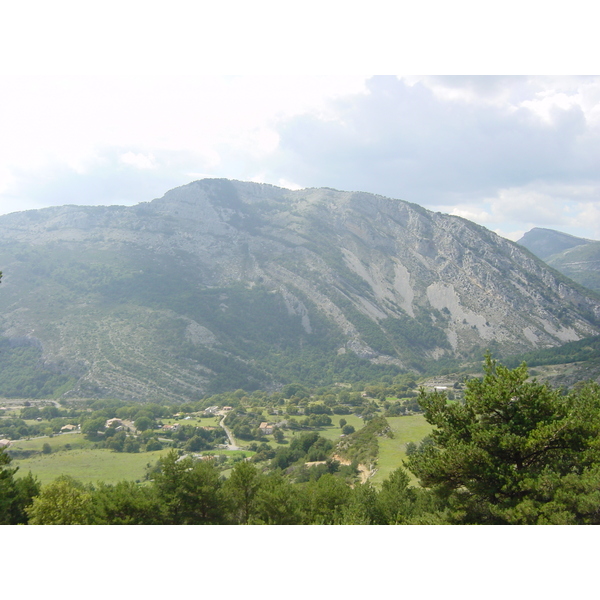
point(544, 243)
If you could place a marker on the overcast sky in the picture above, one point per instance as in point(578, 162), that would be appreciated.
point(120, 104)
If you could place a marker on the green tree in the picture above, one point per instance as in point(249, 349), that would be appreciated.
point(15, 494)
point(127, 503)
point(277, 502)
point(363, 507)
point(144, 422)
point(396, 500)
point(514, 448)
point(241, 488)
point(91, 427)
point(327, 499)
point(190, 491)
point(65, 501)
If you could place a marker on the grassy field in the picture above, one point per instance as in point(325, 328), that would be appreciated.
point(88, 466)
point(195, 421)
point(333, 433)
point(393, 451)
point(58, 442)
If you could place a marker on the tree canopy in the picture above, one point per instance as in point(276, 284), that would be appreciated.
point(516, 451)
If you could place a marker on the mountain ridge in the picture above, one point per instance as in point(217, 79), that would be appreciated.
point(576, 258)
point(545, 243)
point(225, 283)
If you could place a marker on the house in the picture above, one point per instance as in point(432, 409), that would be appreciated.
point(174, 427)
point(265, 428)
point(68, 428)
point(4, 443)
point(113, 422)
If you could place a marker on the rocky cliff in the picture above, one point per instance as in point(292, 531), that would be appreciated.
point(230, 284)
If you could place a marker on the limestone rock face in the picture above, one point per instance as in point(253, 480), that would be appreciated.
point(226, 281)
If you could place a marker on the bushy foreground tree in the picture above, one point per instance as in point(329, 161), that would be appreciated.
point(15, 494)
point(65, 501)
point(515, 452)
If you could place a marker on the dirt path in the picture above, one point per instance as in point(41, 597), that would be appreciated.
point(363, 470)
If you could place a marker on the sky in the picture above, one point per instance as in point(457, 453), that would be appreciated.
point(106, 103)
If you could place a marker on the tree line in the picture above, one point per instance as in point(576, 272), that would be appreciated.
point(514, 451)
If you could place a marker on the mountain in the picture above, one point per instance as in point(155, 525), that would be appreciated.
point(223, 284)
point(577, 258)
point(547, 242)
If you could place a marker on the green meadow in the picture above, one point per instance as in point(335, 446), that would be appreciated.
point(57, 442)
point(89, 466)
point(392, 451)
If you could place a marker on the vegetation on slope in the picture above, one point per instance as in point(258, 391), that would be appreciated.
point(514, 452)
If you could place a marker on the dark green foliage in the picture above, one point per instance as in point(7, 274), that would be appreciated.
point(326, 499)
point(16, 495)
point(144, 422)
point(306, 447)
point(587, 349)
point(277, 502)
point(406, 332)
point(511, 449)
point(153, 444)
point(121, 442)
point(127, 503)
point(362, 445)
point(241, 488)
point(65, 501)
point(363, 507)
point(91, 427)
point(350, 368)
point(22, 376)
point(189, 491)
point(396, 499)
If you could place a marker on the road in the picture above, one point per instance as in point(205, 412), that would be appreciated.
point(232, 445)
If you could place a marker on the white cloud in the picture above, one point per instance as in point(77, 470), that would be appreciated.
point(506, 152)
point(139, 161)
point(514, 236)
point(587, 218)
point(289, 185)
point(472, 213)
point(548, 104)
